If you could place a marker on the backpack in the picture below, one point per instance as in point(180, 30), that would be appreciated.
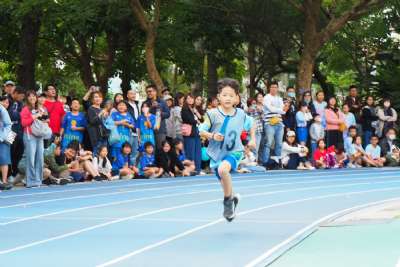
point(41, 129)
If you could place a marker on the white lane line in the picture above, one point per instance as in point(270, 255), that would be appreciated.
point(398, 263)
point(289, 241)
point(182, 194)
point(181, 180)
point(73, 233)
point(196, 229)
point(30, 203)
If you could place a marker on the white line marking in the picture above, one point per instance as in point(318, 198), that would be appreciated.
point(179, 180)
point(73, 233)
point(188, 193)
point(26, 204)
point(196, 229)
point(308, 228)
point(398, 263)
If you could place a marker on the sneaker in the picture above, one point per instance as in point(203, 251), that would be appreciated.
point(201, 173)
point(11, 179)
point(230, 208)
point(5, 186)
point(60, 181)
point(301, 166)
point(193, 173)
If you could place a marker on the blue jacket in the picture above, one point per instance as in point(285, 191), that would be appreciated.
point(5, 124)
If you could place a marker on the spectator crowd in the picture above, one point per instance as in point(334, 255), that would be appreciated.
point(51, 139)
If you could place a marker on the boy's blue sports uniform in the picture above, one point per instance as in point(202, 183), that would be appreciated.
point(231, 127)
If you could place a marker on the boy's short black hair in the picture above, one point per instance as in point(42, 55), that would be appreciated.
point(165, 90)
point(126, 144)
point(148, 144)
point(228, 82)
point(352, 127)
point(152, 86)
point(273, 83)
point(75, 99)
point(19, 90)
point(374, 136)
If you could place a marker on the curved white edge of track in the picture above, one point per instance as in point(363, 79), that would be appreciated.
point(280, 249)
point(261, 258)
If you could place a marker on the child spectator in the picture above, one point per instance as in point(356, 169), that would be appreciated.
point(59, 173)
point(145, 127)
point(249, 162)
point(167, 160)
point(317, 132)
point(324, 158)
point(358, 155)
point(348, 141)
point(73, 125)
point(341, 157)
point(102, 164)
point(121, 124)
point(294, 154)
point(350, 119)
point(122, 164)
point(373, 151)
point(147, 166)
point(303, 116)
point(179, 151)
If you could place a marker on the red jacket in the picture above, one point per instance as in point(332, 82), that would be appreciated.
point(26, 120)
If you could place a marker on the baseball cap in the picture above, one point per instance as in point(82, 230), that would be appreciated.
point(9, 83)
point(290, 134)
point(167, 97)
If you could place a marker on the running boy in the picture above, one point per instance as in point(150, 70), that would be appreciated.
point(223, 127)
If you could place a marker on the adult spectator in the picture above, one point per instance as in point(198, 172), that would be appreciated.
point(289, 119)
point(320, 105)
point(34, 147)
point(255, 111)
point(335, 123)
point(368, 119)
point(5, 157)
point(170, 122)
point(159, 108)
point(354, 102)
point(350, 119)
point(166, 92)
point(14, 110)
point(9, 87)
point(390, 149)
point(55, 109)
point(212, 102)
point(98, 134)
point(273, 126)
point(387, 117)
point(86, 98)
point(191, 117)
point(176, 114)
point(134, 111)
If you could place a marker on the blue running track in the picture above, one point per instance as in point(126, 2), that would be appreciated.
point(178, 222)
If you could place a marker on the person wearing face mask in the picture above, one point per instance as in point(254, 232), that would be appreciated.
point(387, 117)
point(390, 149)
point(307, 98)
point(289, 118)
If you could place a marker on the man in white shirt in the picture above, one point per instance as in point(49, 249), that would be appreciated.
point(274, 108)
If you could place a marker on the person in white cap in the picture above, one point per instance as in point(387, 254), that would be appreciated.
point(294, 155)
point(9, 87)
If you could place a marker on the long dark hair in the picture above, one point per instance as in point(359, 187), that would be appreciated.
point(185, 104)
point(104, 163)
point(335, 108)
point(27, 94)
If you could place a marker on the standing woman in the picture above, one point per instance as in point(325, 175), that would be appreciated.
point(387, 117)
point(191, 139)
point(368, 119)
point(255, 110)
point(96, 129)
point(199, 106)
point(335, 123)
point(176, 114)
point(34, 147)
point(5, 130)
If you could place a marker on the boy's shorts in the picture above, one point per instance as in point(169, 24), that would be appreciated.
point(233, 159)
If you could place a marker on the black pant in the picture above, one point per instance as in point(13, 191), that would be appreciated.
point(294, 161)
point(17, 150)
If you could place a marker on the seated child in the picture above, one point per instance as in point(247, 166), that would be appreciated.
point(373, 151)
point(103, 165)
point(188, 164)
point(147, 166)
point(324, 158)
point(122, 165)
point(294, 155)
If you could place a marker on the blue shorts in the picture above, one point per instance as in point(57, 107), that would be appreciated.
point(233, 159)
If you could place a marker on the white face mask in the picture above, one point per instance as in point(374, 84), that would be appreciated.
point(392, 136)
point(145, 110)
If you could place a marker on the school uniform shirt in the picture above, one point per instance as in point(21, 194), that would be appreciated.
point(56, 113)
point(302, 118)
point(70, 120)
point(146, 126)
point(145, 161)
point(120, 161)
point(350, 119)
point(123, 131)
point(374, 152)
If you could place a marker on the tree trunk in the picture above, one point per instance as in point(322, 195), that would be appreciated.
point(126, 49)
point(197, 88)
point(150, 60)
point(212, 75)
point(84, 59)
point(305, 71)
point(28, 50)
point(327, 87)
point(251, 53)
